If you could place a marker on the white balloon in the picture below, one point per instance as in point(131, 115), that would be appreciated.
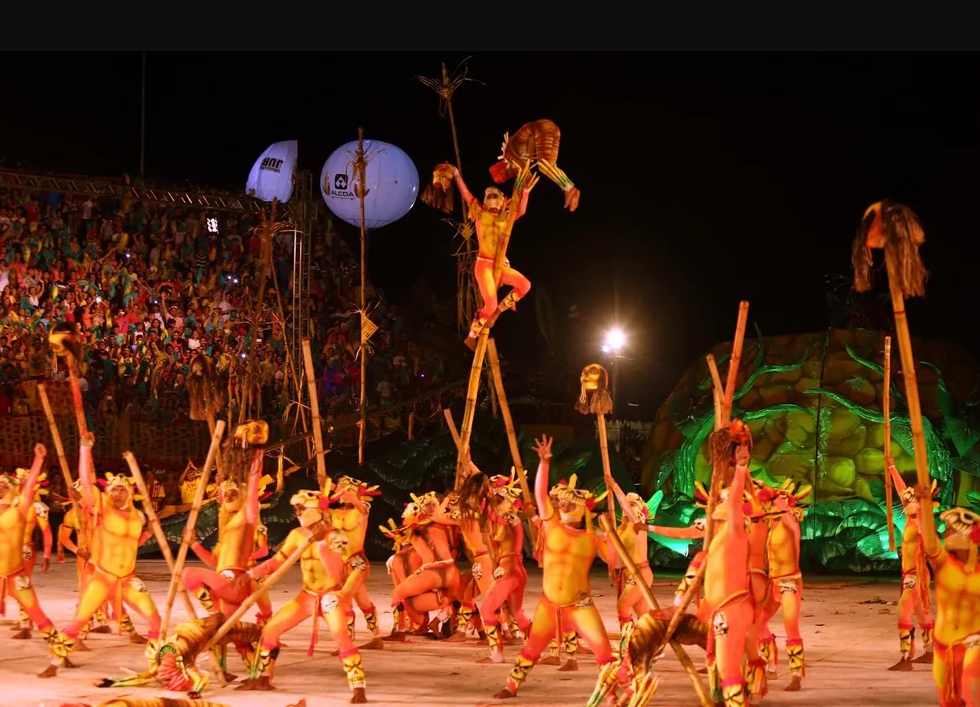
point(272, 174)
point(391, 177)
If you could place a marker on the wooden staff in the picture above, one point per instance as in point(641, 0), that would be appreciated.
point(721, 420)
point(83, 518)
point(703, 695)
point(885, 408)
point(202, 487)
point(724, 419)
point(254, 596)
point(515, 450)
point(321, 462)
point(157, 529)
point(360, 165)
point(76, 393)
point(607, 476)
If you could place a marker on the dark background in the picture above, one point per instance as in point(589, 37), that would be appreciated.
point(705, 178)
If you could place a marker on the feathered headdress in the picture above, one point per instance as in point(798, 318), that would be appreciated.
point(417, 511)
point(42, 481)
point(112, 481)
point(362, 489)
point(566, 492)
point(594, 397)
point(964, 533)
point(908, 494)
point(307, 498)
point(395, 533)
point(896, 229)
point(507, 487)
point(638, 505)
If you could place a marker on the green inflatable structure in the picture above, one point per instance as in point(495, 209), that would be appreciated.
point(813, 404)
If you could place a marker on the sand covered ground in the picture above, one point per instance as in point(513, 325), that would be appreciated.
point(849, 647)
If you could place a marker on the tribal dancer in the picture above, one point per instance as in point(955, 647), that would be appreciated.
point(400, 565)
point(956, 640)
point(15, 580)
point(173, 661)
point(568, 552)
point(631, 603)
point(538, 141)
point(915, 578)
point(84, 568)
point(785, 578)
point(493, 217)
point(462, 509)
point(325, 595)
point(238, 517)
point(510, 577)
point(37, 517)
point(349, 513)
point(727, 604)
point(117, 534)
point(434, 585)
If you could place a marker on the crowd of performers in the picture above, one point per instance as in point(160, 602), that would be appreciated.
point(750, 573)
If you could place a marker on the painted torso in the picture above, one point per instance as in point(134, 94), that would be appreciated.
point(783, 548)
point(236, 543)
point(727, 565)
point(957, 600)
point(567, 558)
point(117, 536)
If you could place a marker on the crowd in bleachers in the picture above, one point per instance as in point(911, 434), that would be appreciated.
point(149, 286)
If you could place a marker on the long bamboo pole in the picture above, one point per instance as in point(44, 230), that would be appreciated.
point(702, 692)
point(726, 409)
point(158, 533)
point(886, 411)
point(321, 462)
point(486, 535)
point(269, 582)
point(515, 450)
point(360, 166)
point(202, 488)
point(42, 393)
point(911, 383)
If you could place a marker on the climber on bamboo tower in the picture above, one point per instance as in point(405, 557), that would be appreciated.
point(570, 544)
point(915, 577)
point(494, 217)
point(15, 506)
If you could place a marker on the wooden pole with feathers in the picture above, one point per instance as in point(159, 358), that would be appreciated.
point(896, 229)
point(886, 412)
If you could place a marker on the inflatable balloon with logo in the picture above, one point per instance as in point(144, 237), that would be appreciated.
point(271, 176)
point(392, 182)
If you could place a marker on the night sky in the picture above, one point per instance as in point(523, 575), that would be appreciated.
point(705, 178)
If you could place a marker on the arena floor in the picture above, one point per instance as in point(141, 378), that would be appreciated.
point(849, 646)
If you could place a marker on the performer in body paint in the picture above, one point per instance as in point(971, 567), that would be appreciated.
point(349, 512)
point(37, 517)
point(325, 594)
point(118, 531)
point(238, 517)
point(570, 545)
point(786, 581)
point(915, 577)
point(15, 581)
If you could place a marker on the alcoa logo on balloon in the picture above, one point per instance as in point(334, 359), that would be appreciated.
point(340, 183)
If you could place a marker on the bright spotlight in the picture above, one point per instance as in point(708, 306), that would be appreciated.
point(615, 340)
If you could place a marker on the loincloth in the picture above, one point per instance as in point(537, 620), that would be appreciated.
point(787, 583)
point(718, 620)
point(323, 603)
